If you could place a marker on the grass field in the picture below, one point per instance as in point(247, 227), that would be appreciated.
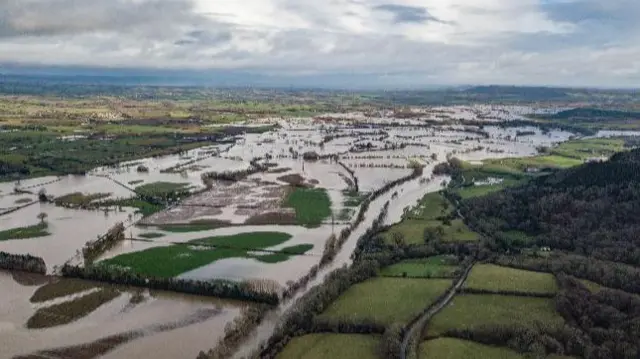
point(430, 207)
point(496, 278)
point(251, 240)
point(160, 189)
point(592, 286)
point(386, 300)
point(438, 266)
point(79, 199)
point(588, 148)
point(334, 346)
point(450, 348)
point(470, 311)
point(173, 260)
point(412, 231)
point(312, 205)
point(35, 231)
point(284, 254)
point(483, 190)
point(189, 227)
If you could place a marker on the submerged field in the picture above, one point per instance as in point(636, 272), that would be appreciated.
point(175, 259)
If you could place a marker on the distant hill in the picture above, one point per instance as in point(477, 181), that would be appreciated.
point(594, 113)
point(523, 93)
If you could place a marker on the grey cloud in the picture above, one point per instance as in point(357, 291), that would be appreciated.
point(407, 14)
point(204, 37)
point(73, 17)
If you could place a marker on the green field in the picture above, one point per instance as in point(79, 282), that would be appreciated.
point(333, 346)
point(173, 260)
point(412, 231)
point(438, 266)
point(496, 278)
point(430, 207)
point(190, 227)
point(35, 231)
point(79, 199)
point(471, 311)
point(312, 205)
point(450, 348)
point(250, 240)
point(160, 189)
point(588, 148)
point(483, 190)
point(143, 207)
point(386, 300)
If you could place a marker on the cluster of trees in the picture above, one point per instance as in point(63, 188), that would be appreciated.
point(25, 263)
point(592, 210)
point(217, 288)
point(93, 249)
point(234, 176)
point(586, 219)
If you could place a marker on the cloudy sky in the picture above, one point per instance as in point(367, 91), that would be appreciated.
point(389, 42)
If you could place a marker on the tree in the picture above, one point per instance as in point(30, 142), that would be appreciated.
point(42, 216)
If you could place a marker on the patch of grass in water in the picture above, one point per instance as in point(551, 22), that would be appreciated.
point(191, 227)
point(79, 198)
point(176, 259)
point(312, 205)
point(135, 182)
point(67, 312)
point(35, 231)
point(23, 201)
point(160, 189)
point(60, 288)
point(251, 240)
point(143, 207)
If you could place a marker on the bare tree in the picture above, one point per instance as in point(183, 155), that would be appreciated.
point(42, 216)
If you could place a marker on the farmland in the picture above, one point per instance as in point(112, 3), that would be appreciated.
point(494, 278)
point(385, 300)
point(338, 346)
point(449, 348)
point(437, 266)
point(474, 311)
point(311, 214)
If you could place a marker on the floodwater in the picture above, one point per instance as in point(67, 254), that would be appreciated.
point(165, 325)
point(70, 229)
point(147, 319)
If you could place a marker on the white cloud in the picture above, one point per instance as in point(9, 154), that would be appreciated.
point(399, 41)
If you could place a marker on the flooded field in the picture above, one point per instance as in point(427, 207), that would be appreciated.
point(72, 319)
point(125, 323)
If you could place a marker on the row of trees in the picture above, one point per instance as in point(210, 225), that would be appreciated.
point(217, 288)
point(25, 263)
point(93, 249)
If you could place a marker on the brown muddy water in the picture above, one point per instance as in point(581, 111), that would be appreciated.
point(44, 317)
